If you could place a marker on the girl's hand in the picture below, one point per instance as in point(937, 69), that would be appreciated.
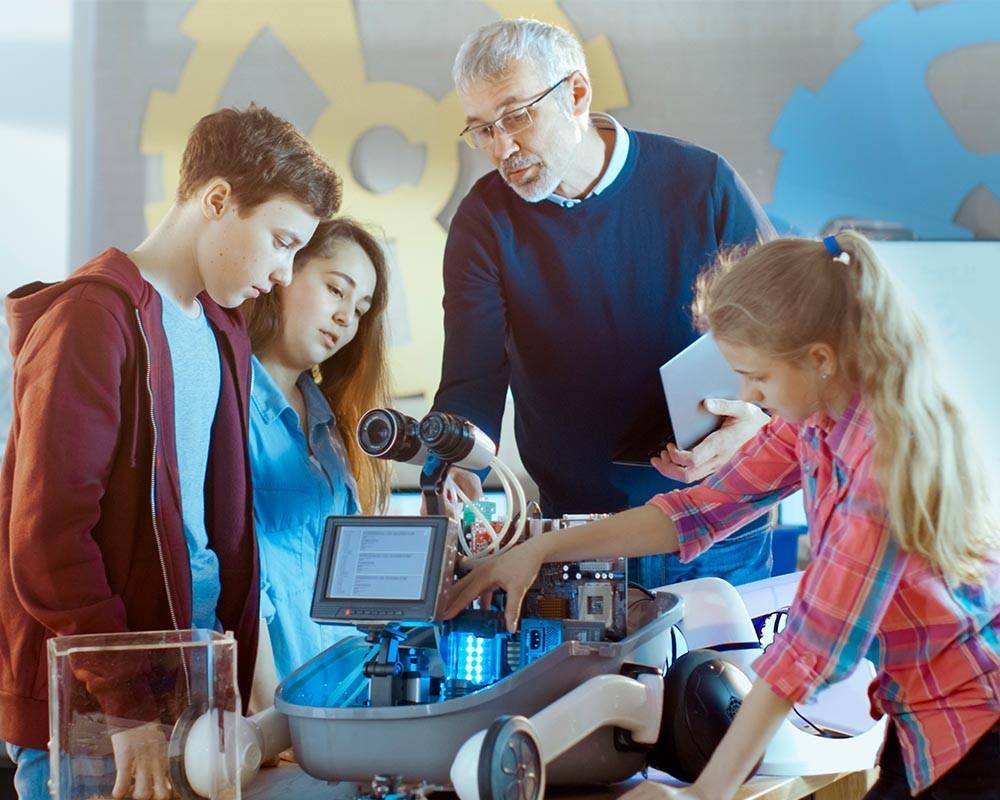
point(513, 571)
point(740, 423)
point(651, 790)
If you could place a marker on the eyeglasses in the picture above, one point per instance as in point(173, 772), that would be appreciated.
point(512, 122)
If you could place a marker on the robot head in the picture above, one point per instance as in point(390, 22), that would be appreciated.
point(392, 435)
point(701, 696)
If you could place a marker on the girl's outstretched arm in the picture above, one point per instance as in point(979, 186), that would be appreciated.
point(636, 532)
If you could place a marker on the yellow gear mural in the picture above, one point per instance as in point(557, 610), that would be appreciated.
point(324, 39)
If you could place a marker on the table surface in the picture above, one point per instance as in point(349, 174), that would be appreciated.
point(289, 781)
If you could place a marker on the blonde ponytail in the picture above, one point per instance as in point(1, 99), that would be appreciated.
point(935, 488)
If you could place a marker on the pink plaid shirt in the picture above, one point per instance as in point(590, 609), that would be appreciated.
point(936, 648)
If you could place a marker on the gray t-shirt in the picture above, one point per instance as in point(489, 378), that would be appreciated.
point(194, 356)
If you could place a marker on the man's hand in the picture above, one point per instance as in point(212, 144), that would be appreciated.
point(741, 422)
point(651, 790)
point(141, 763)
point(468, 482)
point(513, 571)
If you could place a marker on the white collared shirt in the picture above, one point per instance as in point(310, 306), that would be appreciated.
point(618, 155)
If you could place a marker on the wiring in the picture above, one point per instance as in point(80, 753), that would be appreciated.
point(513, 527)
point(641, 588)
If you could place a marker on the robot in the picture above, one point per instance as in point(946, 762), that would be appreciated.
point(601, 681)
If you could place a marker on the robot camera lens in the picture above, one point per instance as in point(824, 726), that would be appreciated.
point(456, 440)
point(432, 427)
point(378, 433)
point(386, 433)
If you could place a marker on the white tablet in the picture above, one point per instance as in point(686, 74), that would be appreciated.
point(696, 373)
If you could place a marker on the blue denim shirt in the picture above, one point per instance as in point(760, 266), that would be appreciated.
point(294, 490)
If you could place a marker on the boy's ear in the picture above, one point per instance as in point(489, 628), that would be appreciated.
point(216, 198)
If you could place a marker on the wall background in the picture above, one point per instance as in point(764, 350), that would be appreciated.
point(35, 121)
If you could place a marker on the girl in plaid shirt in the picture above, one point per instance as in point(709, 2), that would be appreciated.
point(905, 567)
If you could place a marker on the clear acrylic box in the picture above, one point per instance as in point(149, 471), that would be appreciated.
point(164, 705)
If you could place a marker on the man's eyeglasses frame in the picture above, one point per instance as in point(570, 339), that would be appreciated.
point(471, 133)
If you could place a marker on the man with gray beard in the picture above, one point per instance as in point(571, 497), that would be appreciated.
point(568, 275)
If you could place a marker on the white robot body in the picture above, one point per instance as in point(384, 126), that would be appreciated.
point(717, 613)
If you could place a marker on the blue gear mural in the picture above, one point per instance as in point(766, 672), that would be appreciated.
point(872, 142)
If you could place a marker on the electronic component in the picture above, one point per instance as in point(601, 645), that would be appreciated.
point(387, 574)
point(473, 649)
point(478, 532)
point(384, 570)
point(474, 660)
point(538, 636)
point(596, 603)
point(584, 591)
point(583, 631)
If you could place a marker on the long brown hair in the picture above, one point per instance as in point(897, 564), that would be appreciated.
point(355, 378)
point(788, 294)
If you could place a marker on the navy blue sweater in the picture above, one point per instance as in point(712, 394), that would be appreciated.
point(577, 308)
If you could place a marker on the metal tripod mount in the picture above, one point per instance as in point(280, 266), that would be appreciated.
point(384, 671)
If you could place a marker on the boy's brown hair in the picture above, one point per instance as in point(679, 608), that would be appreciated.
point(261, 155)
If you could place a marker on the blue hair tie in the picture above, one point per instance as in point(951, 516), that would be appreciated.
point(830, 243)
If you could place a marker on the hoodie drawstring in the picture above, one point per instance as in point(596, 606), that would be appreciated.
point(137, 400)
point(137, 406)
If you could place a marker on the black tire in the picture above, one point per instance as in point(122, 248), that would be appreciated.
point(510, 762)
point(688, 738)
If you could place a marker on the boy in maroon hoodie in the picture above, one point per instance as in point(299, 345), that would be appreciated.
point(125, 500)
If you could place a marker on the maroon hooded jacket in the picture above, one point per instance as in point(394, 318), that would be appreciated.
point(91, 538)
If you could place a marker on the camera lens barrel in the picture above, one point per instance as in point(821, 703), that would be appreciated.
point(446, 435)
point(389, 434)
point(456, 440)
point(394, 436)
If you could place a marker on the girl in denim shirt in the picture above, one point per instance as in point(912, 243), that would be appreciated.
point(318, 365)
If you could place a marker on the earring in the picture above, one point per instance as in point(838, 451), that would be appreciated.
point(823, 376)
point(317, 375)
